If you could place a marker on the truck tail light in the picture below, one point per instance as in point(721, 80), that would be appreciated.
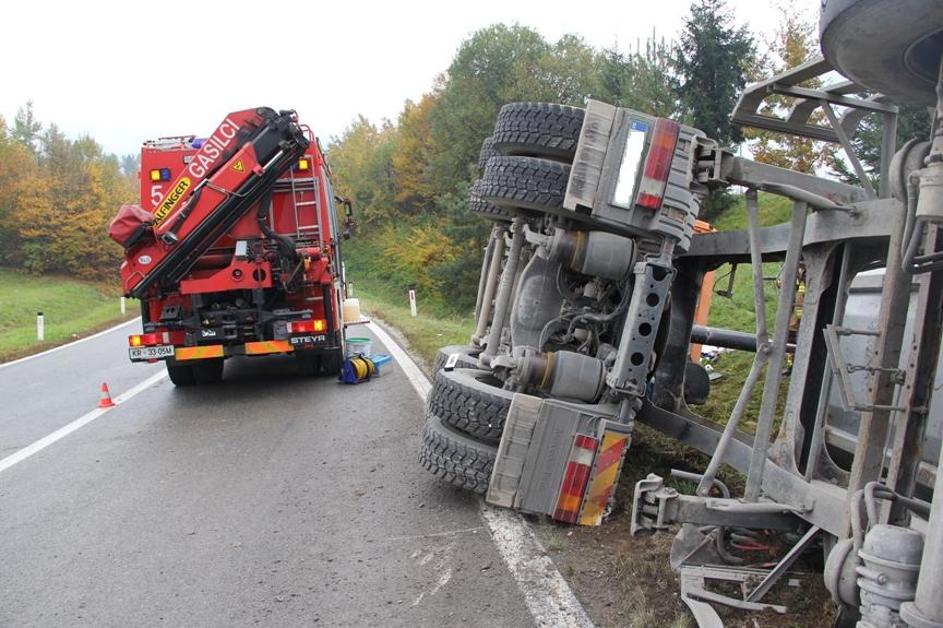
point(156, 338)
point(307, 327)
point(575, 477)
point(651, 190)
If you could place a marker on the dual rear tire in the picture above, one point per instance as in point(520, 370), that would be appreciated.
point(465, 416)
point(200, 372)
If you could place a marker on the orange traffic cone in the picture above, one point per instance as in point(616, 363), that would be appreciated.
point(105, 400)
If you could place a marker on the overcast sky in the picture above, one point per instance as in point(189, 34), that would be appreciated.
point(128, 71)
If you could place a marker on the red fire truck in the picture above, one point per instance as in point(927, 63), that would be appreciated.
point(235, 249)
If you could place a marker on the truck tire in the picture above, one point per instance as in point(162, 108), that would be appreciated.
point(538, 129)
point(181, 375)
point(208, 371)
point(455, 457)
point(486, 153)
point(888, 47)
point(525, 182)
point(464, 400)
point(465, 358)
point(331, 362)
point(486, 209)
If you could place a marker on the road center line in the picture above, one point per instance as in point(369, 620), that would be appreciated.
point(22, 454)
point(549, 598)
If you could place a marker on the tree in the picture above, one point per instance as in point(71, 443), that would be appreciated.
point(795, 41)
point(130, 164)
point(414, 148)
point(26, 128)
point(711, 60)
point(912, 122)
point(643, 79)
point(480, 79)
point(566, 72)
point(361, 161)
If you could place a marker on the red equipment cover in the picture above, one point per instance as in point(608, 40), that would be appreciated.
point(129, 224)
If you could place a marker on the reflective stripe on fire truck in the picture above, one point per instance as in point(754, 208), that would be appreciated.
point(605, 476)
point(198, 353)
point(575, 478)
point(263, 347)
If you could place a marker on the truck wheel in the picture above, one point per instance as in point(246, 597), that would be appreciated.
point(331, 362)
point(208, 371)
point(466, 359)
point(486, 209)
point(464, 400)
point(486, 153)
point(181, 374)
point(888, 47)
point(455, 457)
point(525, 182)
point(538, 129)
point(697, 384)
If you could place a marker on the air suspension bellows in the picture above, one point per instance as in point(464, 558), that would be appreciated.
point(564, 374)
point(594, 253)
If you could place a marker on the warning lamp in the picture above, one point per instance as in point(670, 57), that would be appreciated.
point(320, 325)
point(135, 340)
point(161, 174)
point(155, 175)
point(303, 164)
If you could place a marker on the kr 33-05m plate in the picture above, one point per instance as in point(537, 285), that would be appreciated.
point(151, 353)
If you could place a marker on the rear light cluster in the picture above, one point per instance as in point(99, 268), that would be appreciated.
point(575, 478)
point(658, 164)
point(139, 340)
point(307, 327)
point(157, 338)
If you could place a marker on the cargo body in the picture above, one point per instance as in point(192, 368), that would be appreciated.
point(237, 249)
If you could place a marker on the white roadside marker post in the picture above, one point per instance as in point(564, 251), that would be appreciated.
point(124, 307)
point(412, 303)
point(40, 327)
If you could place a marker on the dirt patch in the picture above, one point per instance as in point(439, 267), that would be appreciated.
point(627, 581)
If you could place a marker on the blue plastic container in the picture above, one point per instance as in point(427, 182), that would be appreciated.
point(380, 360)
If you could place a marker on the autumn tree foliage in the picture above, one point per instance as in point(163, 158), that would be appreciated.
point(56, 198)
point(794, 43)
point(409, 180)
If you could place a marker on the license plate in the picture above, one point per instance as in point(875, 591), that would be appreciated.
point(151, 353)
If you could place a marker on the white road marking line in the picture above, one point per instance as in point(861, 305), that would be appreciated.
point(549, 598)
point(416, 377)
point(69, 344)
point(22, 454)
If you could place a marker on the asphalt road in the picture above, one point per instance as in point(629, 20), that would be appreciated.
point(270, 499)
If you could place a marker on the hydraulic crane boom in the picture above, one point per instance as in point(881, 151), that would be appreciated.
point(233, 170)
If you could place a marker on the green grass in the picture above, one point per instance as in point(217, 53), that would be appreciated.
point(738, 312)
point(426, 332)
point(71, 308)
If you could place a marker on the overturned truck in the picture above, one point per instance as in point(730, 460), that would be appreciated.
point(586, 314)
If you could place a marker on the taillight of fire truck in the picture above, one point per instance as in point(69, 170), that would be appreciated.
point(307, 327)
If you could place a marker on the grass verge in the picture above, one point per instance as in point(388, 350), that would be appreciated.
point(72, 308)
